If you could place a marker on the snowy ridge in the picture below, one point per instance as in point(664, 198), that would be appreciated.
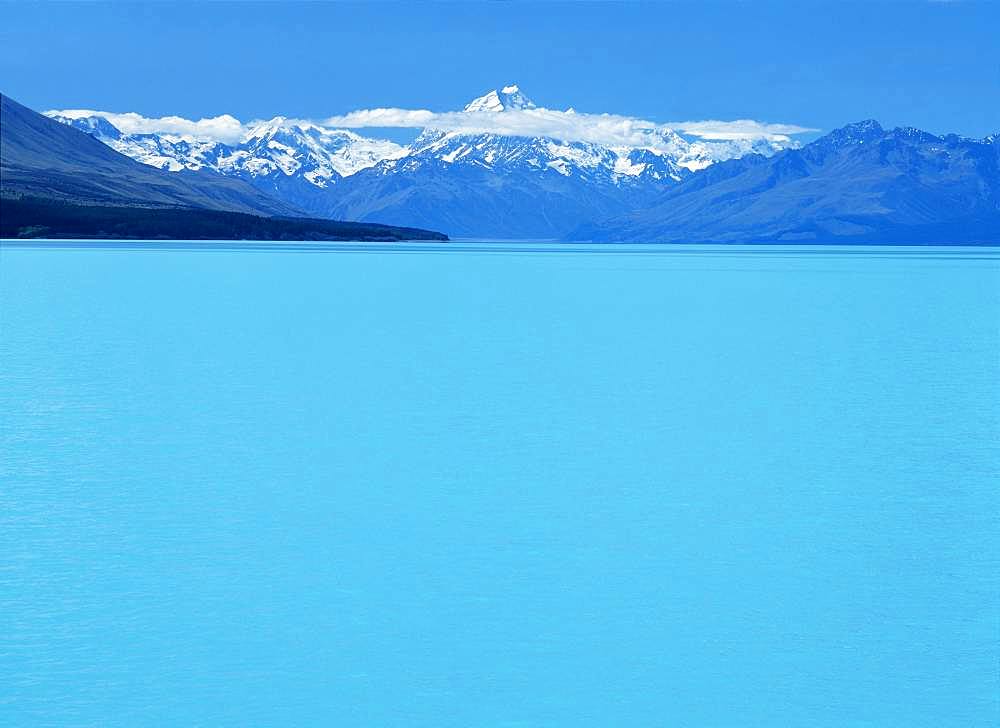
point(321, 156)
point(593, 162)
point(277, 146)
point(673, 157)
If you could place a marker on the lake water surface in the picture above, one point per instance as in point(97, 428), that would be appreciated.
point(499, 485)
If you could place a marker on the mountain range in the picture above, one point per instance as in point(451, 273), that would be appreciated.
point(469, 184)
point(861, 183)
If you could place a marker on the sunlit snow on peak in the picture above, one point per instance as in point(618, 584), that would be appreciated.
point(508, 98)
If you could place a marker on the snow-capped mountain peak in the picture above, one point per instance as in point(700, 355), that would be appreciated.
point(96, 126)
point(319, 154)
point(264, 129)
point(509, 98)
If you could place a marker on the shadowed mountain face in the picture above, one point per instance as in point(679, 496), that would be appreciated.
point(473, 201)
point(858, 184)
point(28, 217)
point(61, 182)
point(42, 158)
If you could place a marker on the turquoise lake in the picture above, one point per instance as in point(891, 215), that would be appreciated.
point(499, 485)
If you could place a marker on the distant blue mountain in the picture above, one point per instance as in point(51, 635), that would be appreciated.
point(858, 184)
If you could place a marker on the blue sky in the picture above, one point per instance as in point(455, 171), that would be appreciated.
point(935, 65)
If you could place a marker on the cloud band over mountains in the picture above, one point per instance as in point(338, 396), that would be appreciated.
point(570, 126)
point(223, 128)
point(608, 129)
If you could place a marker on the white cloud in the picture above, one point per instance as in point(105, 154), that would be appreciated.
point(607, 129)
point(741, 129)
point(223, 128)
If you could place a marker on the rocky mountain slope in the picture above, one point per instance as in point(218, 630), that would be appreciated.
point(858, 184)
